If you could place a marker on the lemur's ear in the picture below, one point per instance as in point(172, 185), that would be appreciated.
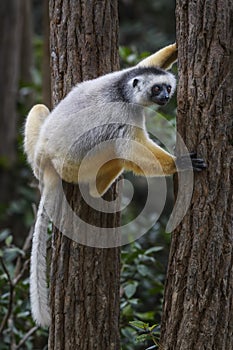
point(163, 58)
point(135, 82)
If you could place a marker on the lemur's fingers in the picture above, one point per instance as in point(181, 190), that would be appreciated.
point(163, 58)
point(197, 164)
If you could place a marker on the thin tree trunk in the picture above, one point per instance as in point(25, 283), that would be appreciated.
point(15, 39)
point(9, 72)
point(26, 59)
point(198, 301)
point(84, 280)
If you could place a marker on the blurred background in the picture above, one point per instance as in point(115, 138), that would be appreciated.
point(145, 26)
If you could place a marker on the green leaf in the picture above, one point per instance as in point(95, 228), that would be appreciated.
point(11, 253)
point(4, 234)
point(124, 304)
point(142, 338)
point(23, 314)
point(146, 258)
point(139, 325)
point(127, 311)
point(146, 316)
point(9, 240)
point(153, 250)
point(153, 327)
point(134, 301)
point(130, 289)
point(143, 270)
point(129, 333)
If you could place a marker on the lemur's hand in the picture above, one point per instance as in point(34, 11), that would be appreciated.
point(197, 164)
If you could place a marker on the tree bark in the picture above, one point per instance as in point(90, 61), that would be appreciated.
point(198, 308)
point(9, 73)
point(10, 57)
point(26, 53)
point(15, 39)
point(46, 79)
point(84, 289)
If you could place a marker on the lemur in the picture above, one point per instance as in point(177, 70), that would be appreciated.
point(108, 108)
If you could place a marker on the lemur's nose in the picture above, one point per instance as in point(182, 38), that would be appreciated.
point(164, 98)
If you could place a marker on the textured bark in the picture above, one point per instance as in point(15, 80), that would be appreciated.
point(46, 79)
point(198, 308)
point(84, 280)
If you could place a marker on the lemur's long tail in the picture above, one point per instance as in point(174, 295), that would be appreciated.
point(38, 282)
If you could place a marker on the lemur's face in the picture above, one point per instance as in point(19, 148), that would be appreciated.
point(161, 93)
point(149, 89)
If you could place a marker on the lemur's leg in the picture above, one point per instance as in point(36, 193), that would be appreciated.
point(96, 170)
point(142, 156)
point(99, 181)
point(146, 160)
point(163, 58)
point(107, 174)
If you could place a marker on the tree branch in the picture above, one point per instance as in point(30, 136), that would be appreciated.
point(6, 317)
point(27, 335)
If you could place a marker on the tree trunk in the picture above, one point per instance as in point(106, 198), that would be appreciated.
point(10, 57)
point(84, 288)
point(26, 53)
point(15, 40)
point(46, 79)
point(198, 308)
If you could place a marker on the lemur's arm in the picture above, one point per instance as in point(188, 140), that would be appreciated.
point(144, 158)
point(149, 159)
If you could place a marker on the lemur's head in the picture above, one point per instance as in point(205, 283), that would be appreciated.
point(148, 86)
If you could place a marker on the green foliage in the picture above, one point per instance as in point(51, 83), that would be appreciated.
point(146, 333)
point(130, 56)
point(142, 278)
point(17, 330)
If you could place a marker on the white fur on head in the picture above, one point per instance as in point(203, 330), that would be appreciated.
point(142, 90)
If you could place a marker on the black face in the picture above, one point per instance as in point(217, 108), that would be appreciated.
point(160, 94)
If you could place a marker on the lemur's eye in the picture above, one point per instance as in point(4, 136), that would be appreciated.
point(169, 88)
point(156, 89)
point(135, 82)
